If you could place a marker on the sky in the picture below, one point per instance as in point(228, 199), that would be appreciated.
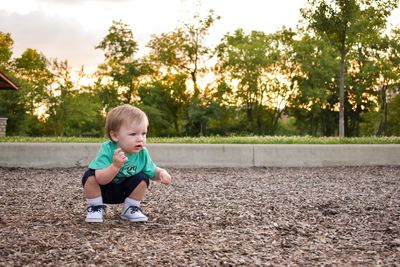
point(70, 29)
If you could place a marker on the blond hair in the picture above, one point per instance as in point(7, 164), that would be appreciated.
point(124, 114)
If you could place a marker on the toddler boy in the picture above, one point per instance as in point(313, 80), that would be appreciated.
point(121, 171)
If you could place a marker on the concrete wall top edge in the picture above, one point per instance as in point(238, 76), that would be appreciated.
point(208, 155)
point(179, 144)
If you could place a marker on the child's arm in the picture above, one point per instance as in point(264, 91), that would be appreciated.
point(106, 175)
point(162, 176)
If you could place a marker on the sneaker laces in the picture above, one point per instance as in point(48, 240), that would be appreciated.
point(133, 209)
point(96, 208)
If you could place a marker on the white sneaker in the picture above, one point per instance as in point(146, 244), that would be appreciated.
point(134, 214)
point(95, 213)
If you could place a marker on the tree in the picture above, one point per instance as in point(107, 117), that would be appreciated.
point(184, 52)
point(71, 112)
point(316, 96)
point(6, 45)
point(344, 22)
point(164, 101)
point(10, 106)
point(389, 67)
point(243, 60)
point(281, 88)
point(224, 116)
point(393, 123)
point(363, 75)
point(34, 78)
point(121, 71)
point(32, 68)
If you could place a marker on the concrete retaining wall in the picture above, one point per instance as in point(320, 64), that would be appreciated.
point(326, 155)
point(49, 155)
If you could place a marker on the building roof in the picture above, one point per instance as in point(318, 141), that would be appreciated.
point(6, 83)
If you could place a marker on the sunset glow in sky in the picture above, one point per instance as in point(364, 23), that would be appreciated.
point(70, 29)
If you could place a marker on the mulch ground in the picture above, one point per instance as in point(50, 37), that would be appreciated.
point(347, 216)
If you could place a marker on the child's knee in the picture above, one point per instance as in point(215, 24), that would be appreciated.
point(143, 184)
point(140, 187)
point(90, 181)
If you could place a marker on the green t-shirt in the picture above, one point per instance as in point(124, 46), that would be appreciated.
point(136, 163)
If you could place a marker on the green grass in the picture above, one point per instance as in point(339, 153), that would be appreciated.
point(26, 139)
point(218, 140)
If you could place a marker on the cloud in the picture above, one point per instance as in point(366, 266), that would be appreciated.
point(70, 29)
point(53, 36)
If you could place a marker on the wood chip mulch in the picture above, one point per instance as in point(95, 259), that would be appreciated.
point(345, 216)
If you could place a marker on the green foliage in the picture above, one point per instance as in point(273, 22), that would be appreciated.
point(287, 128)
point(242, 59)
point(50, 139)
point(12, 104)
point(71, 112)
point(217, 140)
point(312, 105)
point(164, 102)
point(20, 107)
point(124, 70)
point(370, 123)
point(6, 44)
point(107, 95)
point(32, 69)
point(119, 45)
point(393, 125)
point(224, 120)
point(346, 23)
point(12, 107)
point(258, 79)
point(183, 52)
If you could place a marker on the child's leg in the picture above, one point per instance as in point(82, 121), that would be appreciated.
point(139, 192)
point(91, 189)
point(136, 196)
point(92, 192)
point(136, 188)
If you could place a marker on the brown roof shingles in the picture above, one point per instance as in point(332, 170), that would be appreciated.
point(6, 83)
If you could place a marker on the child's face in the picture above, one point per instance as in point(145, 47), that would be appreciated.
point(131, 137)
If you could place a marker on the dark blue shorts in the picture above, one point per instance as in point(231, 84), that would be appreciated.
point(116, 193)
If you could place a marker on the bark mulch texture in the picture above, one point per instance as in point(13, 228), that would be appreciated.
point(348, 216)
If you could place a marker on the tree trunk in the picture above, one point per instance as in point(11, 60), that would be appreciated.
point(382, 125)
point(341, 94)
point(195, 88)
point(275, 120)
point(341, 86)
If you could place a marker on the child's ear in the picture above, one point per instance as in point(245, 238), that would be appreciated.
point(114, 136)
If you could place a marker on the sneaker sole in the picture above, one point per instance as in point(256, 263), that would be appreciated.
point(94, 220)
point(134, 220)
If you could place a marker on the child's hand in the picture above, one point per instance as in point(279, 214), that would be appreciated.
point(164, 177)
point(119, 158)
